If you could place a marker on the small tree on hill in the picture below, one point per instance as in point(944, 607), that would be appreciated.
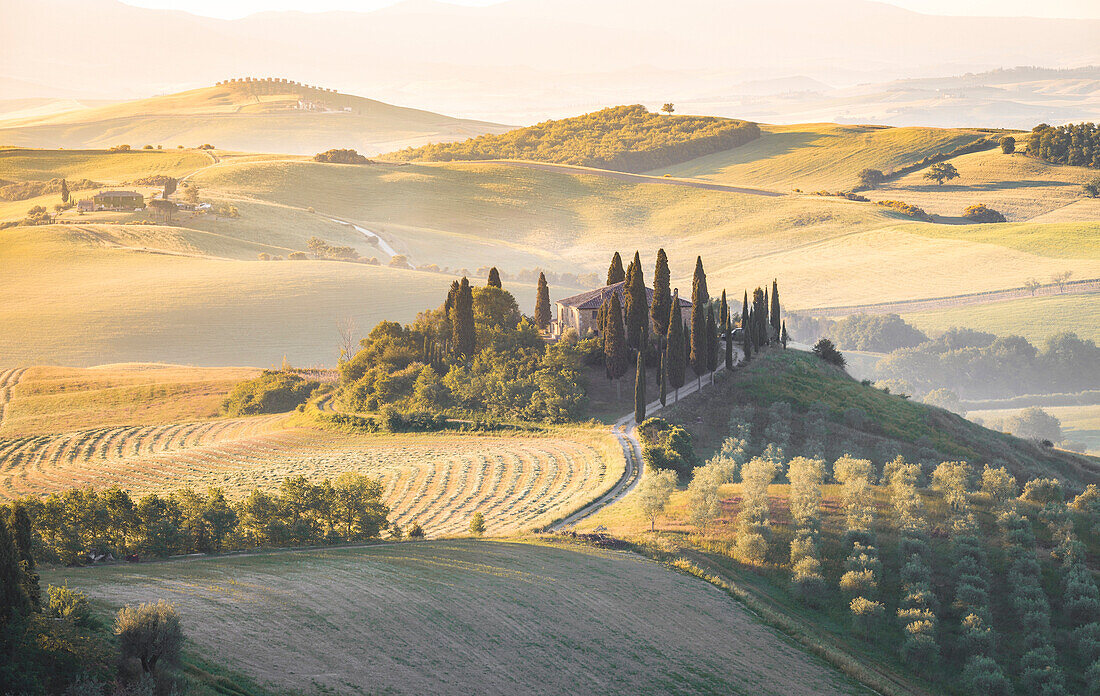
point(614, 342)
point(615, 272)
point(870, 178)
point(415, 531)
point(1008, 144)
point(827, 351)
point(639, 390)
point(669, 108)
point(149, 633)
point(654, 492)
point(542, 304)
point(494, 278)
point(941, 172)
point(477, 524)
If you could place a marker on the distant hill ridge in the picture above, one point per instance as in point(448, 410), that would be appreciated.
point(622, 138)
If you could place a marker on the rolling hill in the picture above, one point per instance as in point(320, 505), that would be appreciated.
point(259, 116)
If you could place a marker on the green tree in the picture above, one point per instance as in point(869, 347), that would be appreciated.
point(13, 597)
point(941, 172)
point(746, 327)
point(668, 108)
point(149, 633)
point(712, 342)
point(774, 309)
point(699, 301)
point(727, 331)
point(662, 296)
point(64, 191)
point(169, 187)
point(826, 350)
point(639, 389)
point(783, 337)
point(463, 332)
point(654, 492)
point(674, 348)
point(870, 178)
point(637, 306)
point(615, 272)
point(477, 524)
point(19, 526)
point(1008, 144)
point(663, 378)
point(494, 278)
point(616, 354)
point(542, 304)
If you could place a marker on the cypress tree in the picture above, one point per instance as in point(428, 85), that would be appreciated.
point(687, 346)
point(615, 273)
point(759, 313)
point(451, 295)
point(463, 335)
point(637, 308)
point(783, 335)
point(662, 378)
point(699, 299)
point(19, 525)
point(746, 331)
point(13, 598)
point(542, 303)
point(723, 312)
point(712, 342)
point(674, 348)
point(726, 327)
point(616, 358)
point(639, 390)
point(775, 319)
point(729, 348)
point(662, 296)
point(494, 278)
point(64, 191)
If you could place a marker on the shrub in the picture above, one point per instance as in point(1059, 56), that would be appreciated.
point(856, 583)
point(477, 524)
point(919, 649)
point(870, 178)
point(906, 209)
point(1008, 144)
point(1091, 188)
point(982, 675)
point(1043, 491)
point(980, 213)
point(271, 392)
point(752, 547)
point(827, 351)
point(415, 532)
point(867, 615)
point(68, 604)
point(298, 256)
point(149, 633)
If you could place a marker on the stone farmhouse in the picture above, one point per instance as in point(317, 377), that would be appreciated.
point(579, 311)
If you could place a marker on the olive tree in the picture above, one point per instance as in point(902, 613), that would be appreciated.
point(149, 633)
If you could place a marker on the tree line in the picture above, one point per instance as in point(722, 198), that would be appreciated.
point(83, 524)
point(1076, 144)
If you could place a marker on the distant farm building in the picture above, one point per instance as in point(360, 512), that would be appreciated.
point(118, 200)
point(85, 205)
point(579, 311)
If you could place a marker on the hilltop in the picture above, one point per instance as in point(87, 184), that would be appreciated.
point(257, 115)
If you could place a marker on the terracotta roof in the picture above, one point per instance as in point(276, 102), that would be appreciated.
point(594, 298)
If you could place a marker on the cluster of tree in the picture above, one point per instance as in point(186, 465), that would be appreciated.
point(1076, 144)
point(1080, 596)
point(22, 190)
point(667, 446)
point(71, 525)
point(475, 354)
point(980, 365)
point(623, 138)
point(335, 156)
point(754, 520)
point(980, 213)
point(38, 215)
point(863, 570)
point(323, 250)
point(274, 391)
point(877, 333)
point(906, 209)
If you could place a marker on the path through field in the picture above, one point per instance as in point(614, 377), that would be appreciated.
point(467, 617)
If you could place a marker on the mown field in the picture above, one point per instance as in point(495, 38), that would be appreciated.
point(1034, 318)
point(46, 400)
point(437, 480)
point(818, 156)
point(467, 616)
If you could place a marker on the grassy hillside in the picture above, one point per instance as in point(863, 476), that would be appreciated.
point(860, 420)
point(59, 399)
point(247, 117)
point(468, 616)
point(1080, 424)
point(823, 250)
point(820, 155)
point(622, 138)
point(18, 164)
point(121, 304)
point(1036, 319)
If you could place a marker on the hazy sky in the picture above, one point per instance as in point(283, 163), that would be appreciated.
point(1025, 8)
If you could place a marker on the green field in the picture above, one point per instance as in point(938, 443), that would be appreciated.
point(819, 156)
point(1034, 318)
point(1080, 424)
point(467, 617)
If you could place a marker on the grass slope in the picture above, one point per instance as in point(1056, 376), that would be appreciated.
point(59, 399)
point(17, 164)
point(1034, 318)
point(820, 155)
point(886, 425)
point(234, 117)
point(467, 616)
